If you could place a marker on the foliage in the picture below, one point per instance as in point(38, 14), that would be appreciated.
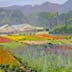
point(8, 68)
point(11, 45)
point(62, 29)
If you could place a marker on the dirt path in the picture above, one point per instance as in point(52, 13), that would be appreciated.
point(34, 42)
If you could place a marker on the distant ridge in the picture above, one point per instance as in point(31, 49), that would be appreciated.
point(44, 7)
point(37, 15)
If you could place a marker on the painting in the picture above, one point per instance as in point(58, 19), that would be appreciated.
point(35, 35)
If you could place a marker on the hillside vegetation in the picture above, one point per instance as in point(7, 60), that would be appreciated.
point(62, 29)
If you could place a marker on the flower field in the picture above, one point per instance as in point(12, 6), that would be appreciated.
point(40, 53)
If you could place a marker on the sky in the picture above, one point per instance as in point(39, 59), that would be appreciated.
point(24, 2)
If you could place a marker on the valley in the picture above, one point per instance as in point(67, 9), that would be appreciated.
point(35, 37)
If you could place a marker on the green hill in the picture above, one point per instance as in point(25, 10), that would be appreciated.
point(62, 29)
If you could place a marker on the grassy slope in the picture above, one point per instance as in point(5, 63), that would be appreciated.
point(38, 59)
point(62, 29)
point(11, 45)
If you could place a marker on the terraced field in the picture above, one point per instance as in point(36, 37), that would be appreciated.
point(5, 40)
point(38, 39)
point(39, 53)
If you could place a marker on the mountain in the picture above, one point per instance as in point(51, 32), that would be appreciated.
point(29, 9)
point(66, 7)
point(45, 7)
point(11, 17)
point(46, 15)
